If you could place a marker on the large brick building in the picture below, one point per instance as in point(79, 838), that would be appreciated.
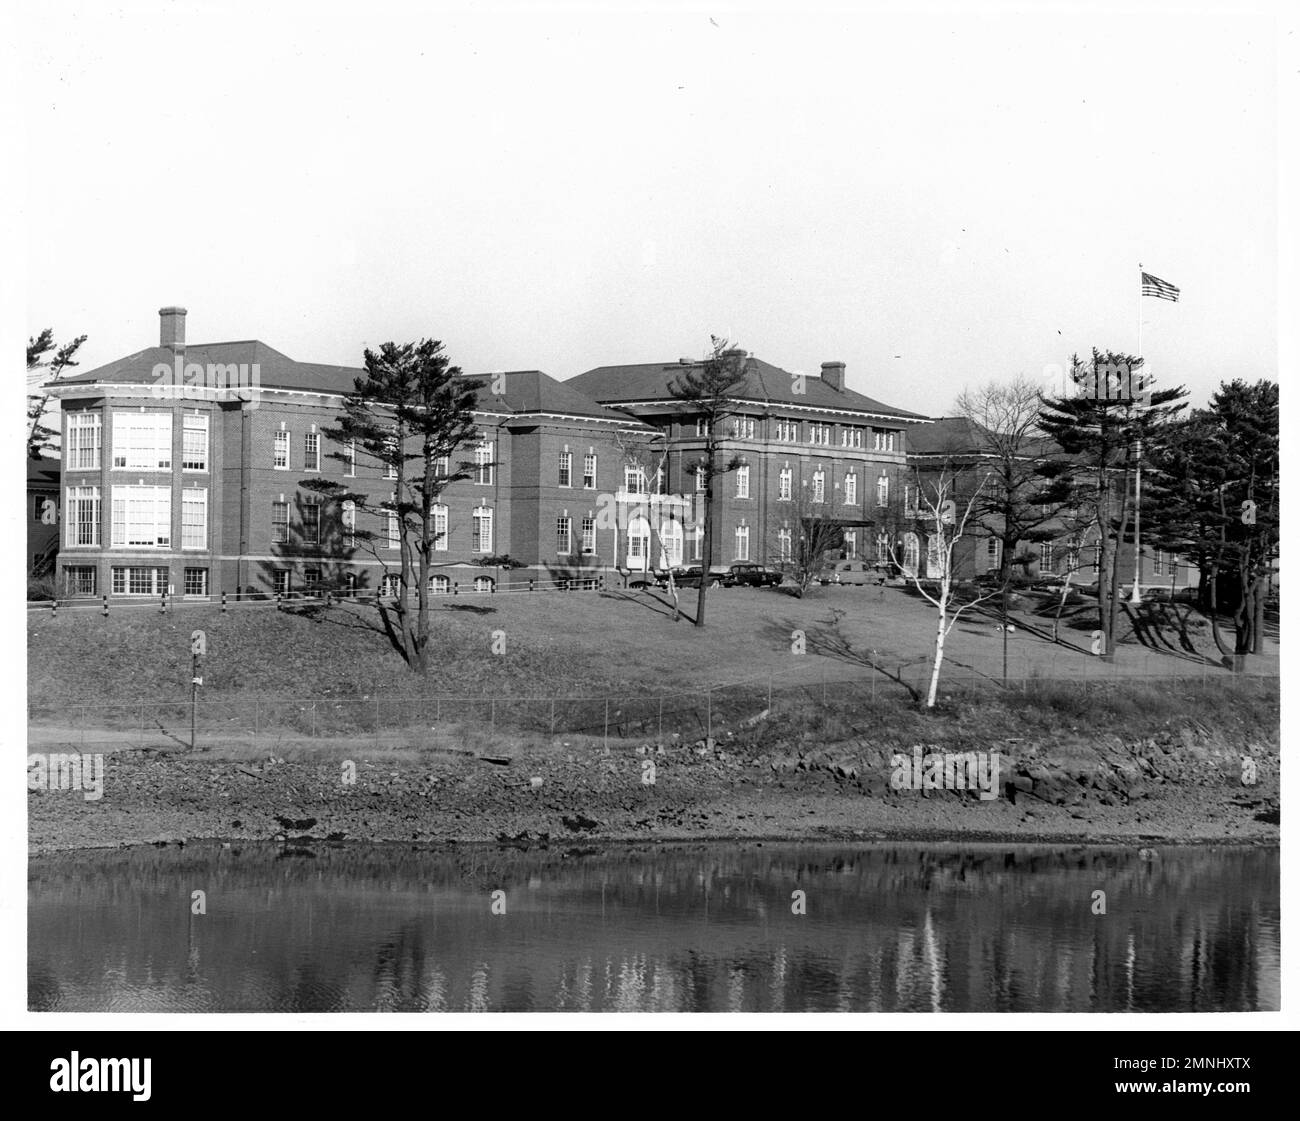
point(809, 447)
point(182, 467)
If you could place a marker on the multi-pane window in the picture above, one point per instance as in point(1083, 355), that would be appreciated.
point(484, 584)
point(819, 485)
point(194, 443)
point(439, 584)
point(279, 522)
point(280, 581)
point(566, 469)
point(701, 478)
point(589, 471)
point(633, 480)
point(588, 536)
point(850, 489)
point(349, 524)
point(391, 455)
point(142, 441)
point(882, 491)
point(142, 516)
point(194, 518)
point(311, 523)
point(440, 528)
point(1158, 562)
point(280, 451)
point(742, 542)
point(787, 430)
point(79, 580)
point(819, 433)
point(785, 485)
point(391, 584)
point(698, 547)
point(350, 459)
point(483, 463)
point(742, 427)
point(392, 530)
point(81, 447)
point(701, 426)
point(742, 481)
point(783, 543)
point(909, 501)
point(196, 582)
point(850, 437)
point(883, 439)
point(850, 544)
point(140, 581)
point(564, 535)
point(442, 467)
point(882, 548)
point(483, 529)
point(1045, 556)
point(993, 550)
point(311, 451)
point(82, 515)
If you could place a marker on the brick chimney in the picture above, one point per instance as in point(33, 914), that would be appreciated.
point(833, 375)
point(172, 328)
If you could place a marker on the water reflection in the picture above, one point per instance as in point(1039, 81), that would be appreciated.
point(689, 928)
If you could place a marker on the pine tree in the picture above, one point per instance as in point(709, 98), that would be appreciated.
point(40, 437)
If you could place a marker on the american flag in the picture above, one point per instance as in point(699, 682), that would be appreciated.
point(1161, 289)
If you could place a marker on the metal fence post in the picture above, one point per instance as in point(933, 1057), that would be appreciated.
point(607, 723)
point(223, 603)
point(105, 605)
point(708, 712)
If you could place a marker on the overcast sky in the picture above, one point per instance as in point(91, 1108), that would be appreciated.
point(935, 199)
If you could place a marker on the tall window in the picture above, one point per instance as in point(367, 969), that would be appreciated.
point(279, 522)
point(194, 443)
point(787, 431)
point(993, 550)
point(786, 485)
point(701, 478)
point(911, 553)
point(883, 439)
point(850, 544)
point(633, 480)
point(311, 523)
point(83, 441)
point(391, 453)
point(1045, 556)
point(280, 451)
point(742, 482)
point(564, 535)
point(142, 516)
point(82, 513)
point(742, 428)
point(701, 426)
point(850, 489)
point(392, 530)
point(142, 441)
point(742, 542)
point(819, 485)
point(588, 536)
point(783, 543)
point(882, 548)
point(311, 451)
point(935, 555)
point(670, 542)
point(1158, 562)
point(882, 491)
point(350, 462)
point(819, 433)
point(589, 472)
point(194, 518)
point(566, 469)
point(909, 501)
point(349, 524)
point(281, 581)
point(440, 528)
point(483, 463)
point(483, 529)
point(850, 437)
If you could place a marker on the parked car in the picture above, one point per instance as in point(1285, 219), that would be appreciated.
point(689, 576)
point(751, 576)
point(853, 572)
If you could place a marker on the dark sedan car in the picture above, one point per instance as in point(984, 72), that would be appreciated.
point(751, 576)
point(690, 577)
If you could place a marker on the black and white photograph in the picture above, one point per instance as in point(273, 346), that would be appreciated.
point(650, 510)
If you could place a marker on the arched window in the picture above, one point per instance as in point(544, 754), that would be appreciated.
point(484, 584)
point(638, 544)
point(439, 584)
point(935, 556)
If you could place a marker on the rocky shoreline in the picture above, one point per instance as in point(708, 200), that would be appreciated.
point(1180, 786)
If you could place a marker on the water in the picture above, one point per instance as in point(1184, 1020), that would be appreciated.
point(888, 928)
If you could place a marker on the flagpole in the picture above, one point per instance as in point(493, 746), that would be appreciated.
point(1137, 477)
